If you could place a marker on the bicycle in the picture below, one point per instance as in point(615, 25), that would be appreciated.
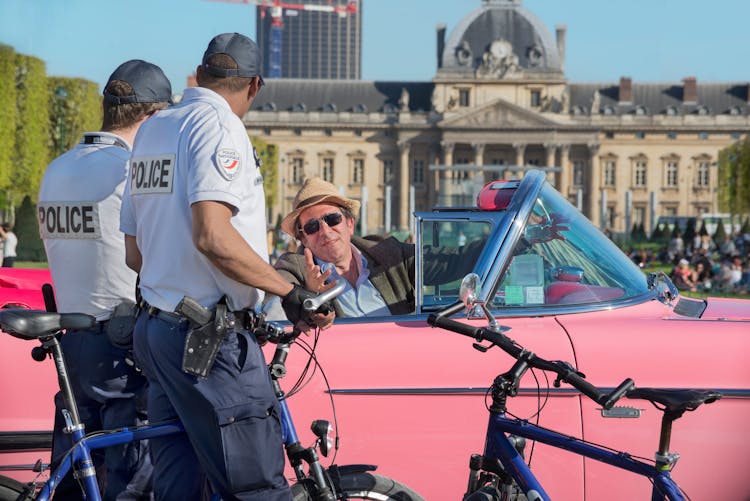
point(353, 481)
point(501, 472)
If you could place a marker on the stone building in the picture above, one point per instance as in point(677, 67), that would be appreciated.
point(624, 152)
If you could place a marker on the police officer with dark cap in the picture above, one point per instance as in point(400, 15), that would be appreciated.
point(194, 222)
point(79, 215)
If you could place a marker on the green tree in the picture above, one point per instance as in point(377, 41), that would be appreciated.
point(75, 106)
point(30, 245)
point(269, 169)
point(689, 231)
point(703, 231)
point(745, 229)
point(720, 234)
point(734, 178)
point(8, 113)
point(31, 152)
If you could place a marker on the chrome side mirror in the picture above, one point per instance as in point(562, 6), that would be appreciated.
point(469, 293)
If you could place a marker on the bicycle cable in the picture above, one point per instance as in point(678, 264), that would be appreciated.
point(300, 384)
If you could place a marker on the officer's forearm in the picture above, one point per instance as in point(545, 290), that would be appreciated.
point(133, 256)
point(216, 238)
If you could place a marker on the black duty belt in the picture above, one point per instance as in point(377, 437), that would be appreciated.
point(167, 316)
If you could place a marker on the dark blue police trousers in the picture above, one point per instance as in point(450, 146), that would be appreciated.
point(110, 393)
point(231, 417)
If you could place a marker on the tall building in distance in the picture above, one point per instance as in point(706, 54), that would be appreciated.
point(314, 44)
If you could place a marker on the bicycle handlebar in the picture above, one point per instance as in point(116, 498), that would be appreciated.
point(564, 370)
point(312, 305)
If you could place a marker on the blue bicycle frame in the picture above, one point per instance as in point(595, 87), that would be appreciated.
point(499, 446)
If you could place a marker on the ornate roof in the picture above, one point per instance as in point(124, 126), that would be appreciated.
point(500, 39)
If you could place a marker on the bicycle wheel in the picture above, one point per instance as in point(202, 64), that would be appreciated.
point(10, 489)
point(364, 486)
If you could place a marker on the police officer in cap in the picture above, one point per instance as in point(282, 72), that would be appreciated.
point(79, 215)
point(194, 220)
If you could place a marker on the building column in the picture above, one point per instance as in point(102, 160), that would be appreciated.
point(593, 184)
point(520, 151)
point(478, 178)
point(551, 150)
point(442, 191)
point(564, 176)
point(404, 184)
point(433, 153)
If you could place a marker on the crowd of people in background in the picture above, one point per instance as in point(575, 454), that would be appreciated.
point(702, 264)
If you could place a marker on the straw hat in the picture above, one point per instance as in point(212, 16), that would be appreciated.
point(313, 192)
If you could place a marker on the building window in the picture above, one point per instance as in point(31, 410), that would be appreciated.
point(609, 173)
point(297, 131)
point(298, 170)
point(328, 169)
point(417, 171)
point(579, 167)
point(640, 135)
point(388, 171)
point(358, 171)
point(703, 136)
point(358, 132)
point(267, 131)
point(536, 99)
point(671, 174)
point(463, 97)
point(672, 135)
point(327, 132)
point(670, 210)
point(702, 179)
point(640, 174)
point(533, 161)
point(609, 134)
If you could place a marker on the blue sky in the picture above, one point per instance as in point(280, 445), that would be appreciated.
point(647, 40)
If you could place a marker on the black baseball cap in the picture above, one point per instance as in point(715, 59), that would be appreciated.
point(148, 81)
point(241, 49)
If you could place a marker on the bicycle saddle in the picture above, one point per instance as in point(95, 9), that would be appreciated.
point(675, 402)
point(36, 324)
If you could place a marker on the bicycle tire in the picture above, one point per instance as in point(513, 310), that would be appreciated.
point(10, 489)
point(364, 486)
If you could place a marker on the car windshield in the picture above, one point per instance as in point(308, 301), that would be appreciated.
point(562, 259)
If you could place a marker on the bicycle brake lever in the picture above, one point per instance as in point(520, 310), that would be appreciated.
point(481, 347)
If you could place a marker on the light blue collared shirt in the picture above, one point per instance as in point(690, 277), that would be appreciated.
point(362, 300)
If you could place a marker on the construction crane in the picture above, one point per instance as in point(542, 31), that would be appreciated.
point(275, 8)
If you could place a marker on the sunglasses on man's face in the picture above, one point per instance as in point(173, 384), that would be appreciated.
point(313, 226)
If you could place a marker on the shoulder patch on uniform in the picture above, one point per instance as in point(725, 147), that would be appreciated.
point(228, 163)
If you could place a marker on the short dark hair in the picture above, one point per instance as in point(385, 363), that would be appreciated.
point(122, 116)
point(232, 84)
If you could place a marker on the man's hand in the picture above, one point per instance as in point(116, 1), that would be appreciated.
point(550, 230)
point(315, 278)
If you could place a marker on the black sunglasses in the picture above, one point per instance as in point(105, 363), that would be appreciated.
point(313, 226)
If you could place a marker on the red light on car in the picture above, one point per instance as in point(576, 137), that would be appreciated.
point(496, 195)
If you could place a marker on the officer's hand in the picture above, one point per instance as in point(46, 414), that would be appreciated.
point(292, 304)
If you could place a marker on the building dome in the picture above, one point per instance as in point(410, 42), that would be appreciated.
point(500, 39)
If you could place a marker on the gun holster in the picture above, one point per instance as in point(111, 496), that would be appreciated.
point(206, 333)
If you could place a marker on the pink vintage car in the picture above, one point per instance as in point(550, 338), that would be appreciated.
point(411, 398)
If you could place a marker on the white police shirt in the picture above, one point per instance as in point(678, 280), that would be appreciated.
point(79, 213)
point(196, 151)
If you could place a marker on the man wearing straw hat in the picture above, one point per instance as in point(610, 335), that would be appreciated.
point(379, 275)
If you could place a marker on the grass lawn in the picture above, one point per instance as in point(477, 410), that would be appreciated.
point(30, 264)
